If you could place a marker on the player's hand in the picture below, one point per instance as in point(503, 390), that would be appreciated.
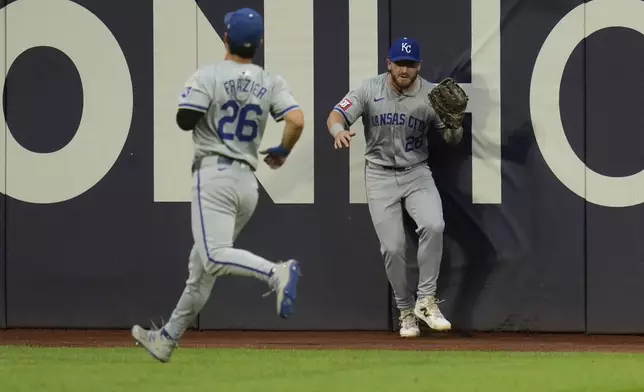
point(274, 162)
point(343, 138)
point(275, 156)
point(453, 136)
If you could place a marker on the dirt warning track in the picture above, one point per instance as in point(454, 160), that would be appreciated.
point(338, 340)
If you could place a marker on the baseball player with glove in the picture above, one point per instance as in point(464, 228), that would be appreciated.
point(399, 109)
point(226, 107)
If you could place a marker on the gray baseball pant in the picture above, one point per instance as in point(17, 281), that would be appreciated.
point(387, 191)
point(225, 194)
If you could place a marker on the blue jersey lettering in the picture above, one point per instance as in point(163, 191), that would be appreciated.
point(244, 86)
point(388, 119)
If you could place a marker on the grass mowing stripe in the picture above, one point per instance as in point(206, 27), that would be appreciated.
point(118, 369)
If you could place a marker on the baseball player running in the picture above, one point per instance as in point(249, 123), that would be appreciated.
point(226, 106)
point(397, 117)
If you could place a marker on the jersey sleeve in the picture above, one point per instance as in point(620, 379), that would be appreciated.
point(282, 100)
point(197, 93)
point(352, 105)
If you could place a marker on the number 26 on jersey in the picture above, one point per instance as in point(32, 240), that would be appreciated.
point(245, 129)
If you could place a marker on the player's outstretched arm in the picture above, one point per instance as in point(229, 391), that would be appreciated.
point(337, 128)
point(344, 114)
point(284, 107)
point(293, 127)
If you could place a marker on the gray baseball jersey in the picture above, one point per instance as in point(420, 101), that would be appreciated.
point(236, 99)
point(395, 126)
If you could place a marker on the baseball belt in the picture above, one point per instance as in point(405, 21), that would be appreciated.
point(221, 160)
point(394, 168)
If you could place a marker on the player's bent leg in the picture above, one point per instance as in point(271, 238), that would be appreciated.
point(282, 278)
point(221, 207)
point(386, 216)
point(214, 214)
point(285, 275)
point(424, 205)
point(392, 248)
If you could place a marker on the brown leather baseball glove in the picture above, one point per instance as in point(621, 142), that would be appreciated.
point(449, 101)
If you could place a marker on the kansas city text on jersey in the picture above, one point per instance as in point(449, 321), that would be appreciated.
point(398, 119)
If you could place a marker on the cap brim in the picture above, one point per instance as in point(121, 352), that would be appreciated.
point(227, 18)
point(404, 58)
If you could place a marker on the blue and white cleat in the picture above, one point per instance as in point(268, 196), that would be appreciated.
point(157, 342)
point(286, 276)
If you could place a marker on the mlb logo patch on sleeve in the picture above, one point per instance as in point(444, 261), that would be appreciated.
point(345, 104)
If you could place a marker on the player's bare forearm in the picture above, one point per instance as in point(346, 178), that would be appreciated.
point(337, 127)
point(335, 123)
point(293, 127)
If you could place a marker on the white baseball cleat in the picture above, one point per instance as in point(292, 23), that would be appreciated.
point(408, 324)
point(285, 278)
point(426, 309)
point(157, 342)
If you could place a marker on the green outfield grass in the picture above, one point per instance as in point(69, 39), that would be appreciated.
point(228, 370)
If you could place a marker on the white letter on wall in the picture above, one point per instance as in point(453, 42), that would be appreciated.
point(484, 92)
point(363, 64)
point(544, 102)
point(175, 59)
point(485, 101)
point(287, 54)
point(107, 101)
point(3, 147)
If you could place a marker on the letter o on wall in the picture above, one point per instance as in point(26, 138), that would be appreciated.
point(544, 102)
point(107, 95)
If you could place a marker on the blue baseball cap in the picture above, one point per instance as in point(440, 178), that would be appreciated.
point(404, 49)
point(245, 27)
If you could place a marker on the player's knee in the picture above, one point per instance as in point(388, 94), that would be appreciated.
point(215, 252)
point(199, 297)
point(431, 228)
point(215, 259)
point(218, 255)
point(393, 249)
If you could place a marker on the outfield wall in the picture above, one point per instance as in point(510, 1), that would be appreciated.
point(542, 198)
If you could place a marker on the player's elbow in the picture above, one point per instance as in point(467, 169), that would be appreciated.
point(188, 119)
point(295, 120)
point(334, 118)
point(185, 126)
